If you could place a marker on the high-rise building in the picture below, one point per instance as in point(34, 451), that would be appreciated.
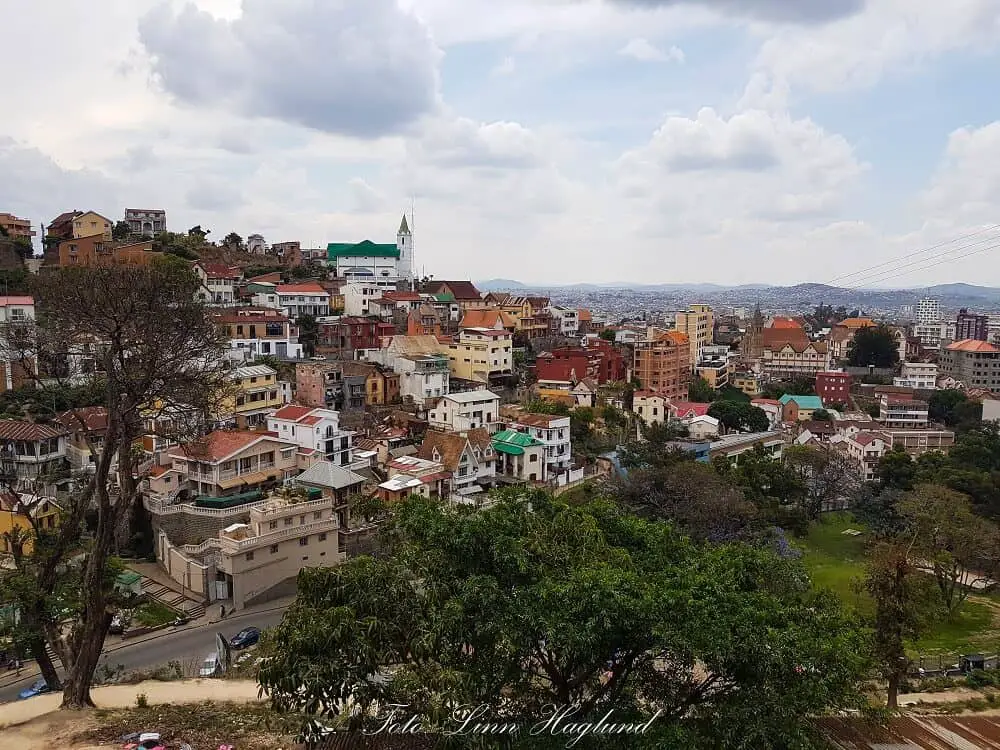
point(971, 326)
point(662, 364)
point(698, 324)
point(928, 311)
point(975, 364)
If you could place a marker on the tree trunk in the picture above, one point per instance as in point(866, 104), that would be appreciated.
point(40, 654)
point(893, 698)
point(79, 677)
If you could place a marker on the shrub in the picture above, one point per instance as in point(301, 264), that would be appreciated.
point(141, 701)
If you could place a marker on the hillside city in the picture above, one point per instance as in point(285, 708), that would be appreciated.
point(279, 442)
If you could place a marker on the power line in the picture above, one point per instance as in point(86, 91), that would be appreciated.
point(895, 266)
point(931, 265)
point(915, 253)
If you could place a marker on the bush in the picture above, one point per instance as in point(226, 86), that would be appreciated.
point(978, 679)
point(141, 701)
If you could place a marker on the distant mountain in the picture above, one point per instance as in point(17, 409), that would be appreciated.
point(499, 285)
point(967, 291)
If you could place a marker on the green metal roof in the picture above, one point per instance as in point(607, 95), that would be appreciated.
point(446, 297)
point(513, 442)
point(804, 402)
point(364, 248)
point(127, 578)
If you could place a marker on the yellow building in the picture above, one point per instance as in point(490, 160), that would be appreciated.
point(91, 224)
point(480, 353)
point(698, 324)
point(13, 510)
point(256, 394)
point(747, 382)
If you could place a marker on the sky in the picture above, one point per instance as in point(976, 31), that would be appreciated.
point(548, 141)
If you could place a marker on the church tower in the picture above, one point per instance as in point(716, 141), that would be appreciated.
point(404, 243)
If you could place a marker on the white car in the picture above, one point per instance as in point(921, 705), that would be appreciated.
point(212, 666)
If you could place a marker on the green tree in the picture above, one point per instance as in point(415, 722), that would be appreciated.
point(700, 392)
point(954, 409)
point(905, 607)
point(608, 335)
point(544, 406)
point(655, 449)
point(308, 334)
point(896, 470)
point(822, 415)
point(771, 485)
point(739, 416)
point(121, 231)
point(233, 241)
point(874, 346)
point(532, 603)
point(961, 548)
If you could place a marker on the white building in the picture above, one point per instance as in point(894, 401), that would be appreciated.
point(569, 319)
point(703, 427)
point(928, 311)
point(553, 432)
point(13, 310)
point(422, 376)
point(650, 407)
point(898, 412)
point(218, 282)
point(917, 375)
point(368, 260)
point(303, 299)
point(865, 450)
point(314, 429)
point(457, 412)
point(360, 292)
point(256, 244)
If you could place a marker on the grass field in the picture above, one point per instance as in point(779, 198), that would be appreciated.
point(835, 561)
point(153, 613)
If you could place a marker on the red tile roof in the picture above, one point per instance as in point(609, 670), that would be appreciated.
point(5, 301)
point(14, 429)
point(537, 420)
point(310, 420)
point(293, 412)
point(309, 287)
point(865, 438)
point(402, 296)
point(971, 345)
point(687, 408)
point(769, 401)
point(89, 419)
point(220, 270)
point(217, 445)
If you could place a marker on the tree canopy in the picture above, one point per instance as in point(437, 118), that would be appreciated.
point(876, 346)
point(700, 392)
point(533, 603)
point(739, 416)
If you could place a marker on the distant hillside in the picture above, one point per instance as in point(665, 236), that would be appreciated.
point(499, 285)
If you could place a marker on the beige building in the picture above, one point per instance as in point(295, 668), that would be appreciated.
point(91, 224)
point(698, 324)
point(16, 227)
point(795, 359)
point(650, 407)
point(480, 354)
point(250, 563)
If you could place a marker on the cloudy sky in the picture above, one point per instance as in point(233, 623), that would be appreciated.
point(728, 141)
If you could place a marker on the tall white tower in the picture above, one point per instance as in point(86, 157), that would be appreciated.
point(404, 242)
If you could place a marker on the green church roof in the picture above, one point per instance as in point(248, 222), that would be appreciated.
point(361, 249)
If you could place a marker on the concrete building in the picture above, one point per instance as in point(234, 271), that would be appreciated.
point(315, 431)
point(308, 298)
point(218, 282)
point(698, 324)
point(974, 363)
point(928, 310)
point(748, 382)
point(971, 326)
point(15, 366)
point(38, 451)
point(256, 394)
point(918, 375)
point(794, 359)
point(458, 412)
point(256, 332)
point(146, 222)
point(662, 363)
point(99, 250)
point(567, 320)
point(834, 386)
point(369, 260)
point(520, 456)
point(16, 227)
point(481, 354)
point(91, 224)
point(256, 244)
point(901, 412)
point(651, 408)
point(732, 447)
point(715, 366)
point(86, 429)
point(866, 450)
point(422, 376)
point(325, 385)
point(554, 433)
point(410, 475)
point(918, 442)
point(703, 428)
point(469, 457)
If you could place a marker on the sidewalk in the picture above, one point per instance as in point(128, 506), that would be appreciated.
point(115, 643)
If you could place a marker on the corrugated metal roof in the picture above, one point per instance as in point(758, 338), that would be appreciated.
point(971, 732)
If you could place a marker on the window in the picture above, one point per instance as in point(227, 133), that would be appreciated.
point(288, 521)
point(274, 549)
point(273, 525)
point(322, 537)
point(249, 556)
point(303, 541)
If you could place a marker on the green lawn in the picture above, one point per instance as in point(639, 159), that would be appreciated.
point(835, 561)
point(153, 613)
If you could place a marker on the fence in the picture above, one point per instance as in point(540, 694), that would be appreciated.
point(938, 665)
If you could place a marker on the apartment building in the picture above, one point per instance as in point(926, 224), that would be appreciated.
point(381, 384)
point(469, 457)
point(99, 250)
point(325, 385)
point(256, 393)
point(567, 320)
point(255, 332)
point(918, 442)
point(423, 376)
point(748, 382)
point(917, 375)
point(834, 386)
point(554, 433)
point(86, 429)
point(250, 563)
point(460, 412)
point(316, 431)
point(715, 366)
point(15, 366)
point(91, 224)
point(794, 359)
point(218, 282)
point(698, 324)
point(16, 227)
point(662, 364)
point(308, 298)
point(974, 363)
point(146, 222)
point(481, 354)
point(37, 451)
point(224, 463)
point(900, 412)
point(866, 450)
point(971, 326)
point(347, 335)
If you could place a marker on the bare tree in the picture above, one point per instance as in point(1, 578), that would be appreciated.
point(830, 477)
point(158, 352)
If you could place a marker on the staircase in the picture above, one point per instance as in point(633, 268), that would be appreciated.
point(174, 599)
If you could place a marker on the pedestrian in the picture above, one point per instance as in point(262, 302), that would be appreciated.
point(222, 611)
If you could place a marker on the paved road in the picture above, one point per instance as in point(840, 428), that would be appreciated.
point(188, 644)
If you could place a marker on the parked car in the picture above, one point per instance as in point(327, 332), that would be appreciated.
point(38, 688)
point(212, 666)
point(118, 624)
point(182, 620)
point(245, 638)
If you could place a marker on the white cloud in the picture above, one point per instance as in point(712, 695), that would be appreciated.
point(365, 198)
point(643, 50)
point(505, 68)
point(966, 188)
point(790, 11)
point(363, 69)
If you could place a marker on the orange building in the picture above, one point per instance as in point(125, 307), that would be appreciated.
point(16, 227)
point(663, 364)
point(98, 251)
